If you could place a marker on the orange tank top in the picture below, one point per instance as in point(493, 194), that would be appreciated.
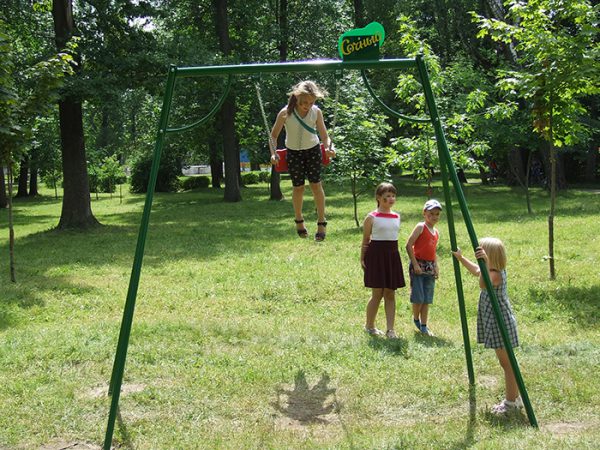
point(426, 243)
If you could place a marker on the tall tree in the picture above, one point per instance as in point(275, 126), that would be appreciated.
point(3, 197)
point(227, 114)
point(283, 47)
point(558, 52)
point(76, 206)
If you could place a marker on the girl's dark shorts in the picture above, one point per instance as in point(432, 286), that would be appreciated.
point(304, 164)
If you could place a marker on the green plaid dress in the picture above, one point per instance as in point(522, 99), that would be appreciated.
point(488, 332)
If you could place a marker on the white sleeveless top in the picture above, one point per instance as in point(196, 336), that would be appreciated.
point(385, 226)
point(296, 136)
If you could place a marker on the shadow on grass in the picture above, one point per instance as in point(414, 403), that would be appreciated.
point(306, 404)
point(511, 421)
point(432, 341)
point(469, 439)
point(397, 346)
point(583, 303)
point(23, 298)
point(125, 440)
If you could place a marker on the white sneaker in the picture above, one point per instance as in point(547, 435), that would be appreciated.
point(506, 407)
point(519, 402)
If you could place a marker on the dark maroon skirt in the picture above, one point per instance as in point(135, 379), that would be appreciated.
point(383, 266)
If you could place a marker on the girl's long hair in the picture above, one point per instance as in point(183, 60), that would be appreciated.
point(495, 251)
point(306, 87)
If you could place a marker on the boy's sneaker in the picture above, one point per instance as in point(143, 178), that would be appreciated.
point(426, 331)
point(506, 407)
point(391, 334)
point(417, 324)
point(374, 332)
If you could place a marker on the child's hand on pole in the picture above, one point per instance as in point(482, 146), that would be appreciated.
point(480, 254)
point(457, 254)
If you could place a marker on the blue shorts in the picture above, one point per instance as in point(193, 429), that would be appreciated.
point(421, 288)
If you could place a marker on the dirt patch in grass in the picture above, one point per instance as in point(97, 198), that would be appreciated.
point(567, 428)
point(487, 381)
point(102, 391)
point(70, 446)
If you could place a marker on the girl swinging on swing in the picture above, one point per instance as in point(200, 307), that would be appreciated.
point(304, 124)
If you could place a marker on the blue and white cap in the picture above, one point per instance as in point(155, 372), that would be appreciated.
point(431, 204)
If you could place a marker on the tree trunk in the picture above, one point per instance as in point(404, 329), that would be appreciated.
point(359, 14)
point(23, 174)
point(76, 206)
point(515, 163)
point(230, 154)
point(11, 229)
point(552, 202)
point(230, 151)
point(355, 200)
point(3, 197)
point(275, 182)
point(33, 182)
point(283, 30)
point(216, 164)
point(591, 162)
point(546, 154)
point(104, 134)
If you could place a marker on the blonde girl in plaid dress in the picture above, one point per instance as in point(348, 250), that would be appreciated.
point(492, 251)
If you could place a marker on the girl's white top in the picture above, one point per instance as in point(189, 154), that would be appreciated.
point(296, 136)
point(385, 226)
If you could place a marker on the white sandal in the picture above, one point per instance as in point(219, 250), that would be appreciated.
point(506, 407)
point(391, 334)
point(374, 332)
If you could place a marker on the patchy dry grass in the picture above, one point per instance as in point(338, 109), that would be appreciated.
point(247, 337)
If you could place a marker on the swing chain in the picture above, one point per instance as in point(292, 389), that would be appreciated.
point(272, 145)
point(338, 77)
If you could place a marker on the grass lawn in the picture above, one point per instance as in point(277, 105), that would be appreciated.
point(246, 336)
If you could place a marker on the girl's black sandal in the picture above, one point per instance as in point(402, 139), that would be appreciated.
point(320, 235)
point(303, 232)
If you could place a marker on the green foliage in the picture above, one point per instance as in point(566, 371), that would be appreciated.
point(197, 182)
point(8, 98)
point(105, 176)
point(264, 176)
point(167, 180)
point(26, 94)
point(111, 174)
point(249, 178)
point(558, 51)
point(461, 93)
point(358, 139)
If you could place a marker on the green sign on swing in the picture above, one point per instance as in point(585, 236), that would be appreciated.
point(362, 43)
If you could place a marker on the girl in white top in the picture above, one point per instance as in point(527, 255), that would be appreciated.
point(304, 154)
point(380, 259)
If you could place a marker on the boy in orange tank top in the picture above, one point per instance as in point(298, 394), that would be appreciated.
point(423, 269)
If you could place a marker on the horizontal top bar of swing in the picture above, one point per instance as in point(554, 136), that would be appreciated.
point(296, 66)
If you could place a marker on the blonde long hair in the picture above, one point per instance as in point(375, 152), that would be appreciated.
point(306, 87)
point(495, 251)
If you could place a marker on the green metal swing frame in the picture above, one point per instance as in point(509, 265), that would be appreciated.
point(448, 173)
